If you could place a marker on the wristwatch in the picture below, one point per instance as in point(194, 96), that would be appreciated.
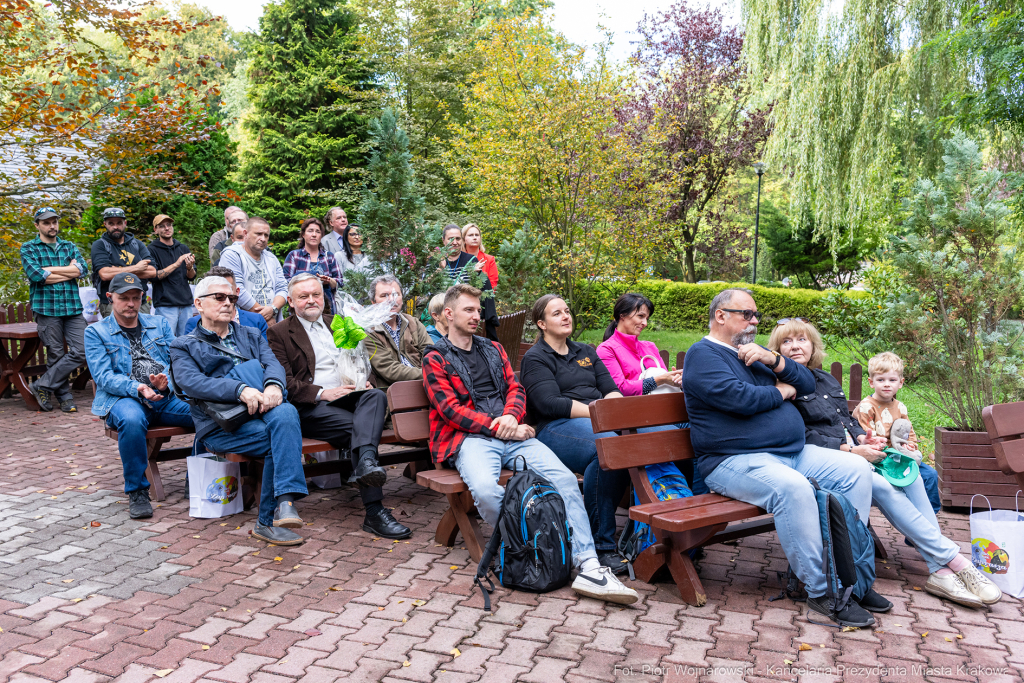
point(778, 359)
point(277, 312)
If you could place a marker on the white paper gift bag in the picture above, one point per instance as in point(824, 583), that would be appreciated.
point(324, 481)
point(997, 547)
point(214, 487)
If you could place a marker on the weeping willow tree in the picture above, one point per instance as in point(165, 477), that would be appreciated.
point(861, 91)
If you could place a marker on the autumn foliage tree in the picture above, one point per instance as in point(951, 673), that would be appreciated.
point(75, 117)
point(689, 122)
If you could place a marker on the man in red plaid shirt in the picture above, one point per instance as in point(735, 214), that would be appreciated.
point(476, 407)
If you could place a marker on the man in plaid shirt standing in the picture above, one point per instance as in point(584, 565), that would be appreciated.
point(476, 407)
point(53, 267)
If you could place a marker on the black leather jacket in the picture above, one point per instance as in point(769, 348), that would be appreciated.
point(826, 413)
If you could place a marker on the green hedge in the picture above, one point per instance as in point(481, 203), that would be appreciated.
point(684, 306)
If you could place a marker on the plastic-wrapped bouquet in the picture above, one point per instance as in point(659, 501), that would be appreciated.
point(348, 327)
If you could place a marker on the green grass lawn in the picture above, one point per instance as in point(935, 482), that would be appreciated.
point(922, 415)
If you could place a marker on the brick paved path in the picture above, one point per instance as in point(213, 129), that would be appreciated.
point(191, 599)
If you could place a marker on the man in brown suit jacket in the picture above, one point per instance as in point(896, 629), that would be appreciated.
point(348, 419)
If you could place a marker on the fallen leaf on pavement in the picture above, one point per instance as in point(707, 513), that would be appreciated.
point(917, 588)
point(419, 602)
point(850, 628)
point(162, 672)
point(787, 661)
point(804, 647)
point(455, 652)
point(95, 524)
point(313, 632)
point(925, 634)
point(206, 647)
point(334, 588)
point(278, 559)
point(949, 640)
point(453, 567)
point(407, 663)
point(67, 580)
point(80, 600)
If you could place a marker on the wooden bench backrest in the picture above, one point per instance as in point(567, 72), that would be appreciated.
point(410, 411)
point(634, 412)
point(854, 396)
point(1005, 425)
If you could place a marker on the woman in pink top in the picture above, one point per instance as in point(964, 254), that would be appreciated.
point(622, 350)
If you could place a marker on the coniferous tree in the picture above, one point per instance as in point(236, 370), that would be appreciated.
point(308, 87)
point(391, 218)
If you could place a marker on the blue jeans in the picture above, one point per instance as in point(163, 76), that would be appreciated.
point(931, 485)
point(908, 509)
point(778, 483)
point(274, 436)
point(131, 418)
point(176, 317)
point(574, 442)
point(479, 463)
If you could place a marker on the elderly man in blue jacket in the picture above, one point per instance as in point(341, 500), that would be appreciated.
point(749, 440)
point(224, 362)
point(127, 353)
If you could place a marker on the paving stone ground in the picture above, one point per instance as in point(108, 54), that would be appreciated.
point(191, 599)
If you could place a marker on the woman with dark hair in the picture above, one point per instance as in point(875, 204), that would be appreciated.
point(460, 266)
point(312, 257)
point(626, 356)
point(352, 256)
point(562, 378)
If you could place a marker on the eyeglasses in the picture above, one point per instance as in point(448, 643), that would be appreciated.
point(747, 313)
point(783, 321)
point(221, 297)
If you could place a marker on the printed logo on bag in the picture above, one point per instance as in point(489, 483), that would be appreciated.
point(222, 490)
point(989, 557)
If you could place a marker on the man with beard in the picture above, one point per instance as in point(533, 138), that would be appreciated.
point(115, 253)
point(350, 418)
point(749, 440)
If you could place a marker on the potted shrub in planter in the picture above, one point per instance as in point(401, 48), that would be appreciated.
point(941, 297)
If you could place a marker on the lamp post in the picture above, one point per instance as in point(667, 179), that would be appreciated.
point(759, 169)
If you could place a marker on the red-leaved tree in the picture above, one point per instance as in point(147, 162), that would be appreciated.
point(689, 123)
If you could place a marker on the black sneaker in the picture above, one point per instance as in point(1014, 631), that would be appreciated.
point(382, 523)
point(851, 615)
point(42, 397)
point(139, 506)
point(613, 560)
point(68, 406)
point(873, 602)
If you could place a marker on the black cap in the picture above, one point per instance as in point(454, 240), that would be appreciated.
point(44, 213)
point(113, 212)
point(125, 282)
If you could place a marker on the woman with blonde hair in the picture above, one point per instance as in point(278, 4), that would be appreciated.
point(829, 424)
point(472, 243)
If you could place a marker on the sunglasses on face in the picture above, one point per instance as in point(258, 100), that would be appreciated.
point(783, 321)
point(221, 297)
point(747, 313)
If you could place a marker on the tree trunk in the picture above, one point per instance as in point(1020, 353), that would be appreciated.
point(690, 270)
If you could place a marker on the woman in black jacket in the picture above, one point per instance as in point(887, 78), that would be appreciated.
point(562, 378)
point(829, 424)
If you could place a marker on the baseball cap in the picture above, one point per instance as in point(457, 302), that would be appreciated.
point(125, 282)
point(113, 212)
point(897, 469)
point(161, 218)
point(45, 212)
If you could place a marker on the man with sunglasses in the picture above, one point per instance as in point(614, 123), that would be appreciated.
point(128, 357)
point(52, 267)
point(224, 362)
point(748, 437)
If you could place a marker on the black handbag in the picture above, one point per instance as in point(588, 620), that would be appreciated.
point(228, 416)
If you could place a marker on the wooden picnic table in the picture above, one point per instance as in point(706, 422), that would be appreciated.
point(11, 368)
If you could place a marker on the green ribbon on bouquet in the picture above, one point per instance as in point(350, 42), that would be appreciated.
point(346, 332)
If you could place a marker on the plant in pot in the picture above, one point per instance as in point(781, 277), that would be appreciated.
point(941, 296)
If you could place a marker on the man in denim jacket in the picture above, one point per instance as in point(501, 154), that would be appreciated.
point(128, 355)
point(224, 362)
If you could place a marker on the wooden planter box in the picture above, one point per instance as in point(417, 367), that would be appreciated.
point(967, 465)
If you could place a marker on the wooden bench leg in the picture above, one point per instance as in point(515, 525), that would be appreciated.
point(460, 504)
point(447, 529)
point(677, 556)
point(649, 562)
point(156, 484)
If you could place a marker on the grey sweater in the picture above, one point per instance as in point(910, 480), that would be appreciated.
point(259, 282)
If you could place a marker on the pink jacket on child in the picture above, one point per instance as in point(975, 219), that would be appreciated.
point(621, 354)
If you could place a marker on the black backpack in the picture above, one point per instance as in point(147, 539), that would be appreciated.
point(532, 541)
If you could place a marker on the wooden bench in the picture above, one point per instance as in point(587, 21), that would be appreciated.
point(155, 440)
point(410, 411)
point(1004, 423)
point(679, 525)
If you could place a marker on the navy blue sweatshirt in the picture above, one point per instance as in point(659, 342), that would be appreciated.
point(736, 409)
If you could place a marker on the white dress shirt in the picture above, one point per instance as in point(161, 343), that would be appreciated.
point(325, 374)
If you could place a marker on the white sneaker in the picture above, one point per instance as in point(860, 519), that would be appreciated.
point(601, 584)
point(952, 588)
point(980, 585)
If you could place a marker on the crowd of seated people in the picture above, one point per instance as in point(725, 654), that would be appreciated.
point(764, 420)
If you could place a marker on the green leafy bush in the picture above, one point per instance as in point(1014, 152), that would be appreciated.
point(684, 306)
